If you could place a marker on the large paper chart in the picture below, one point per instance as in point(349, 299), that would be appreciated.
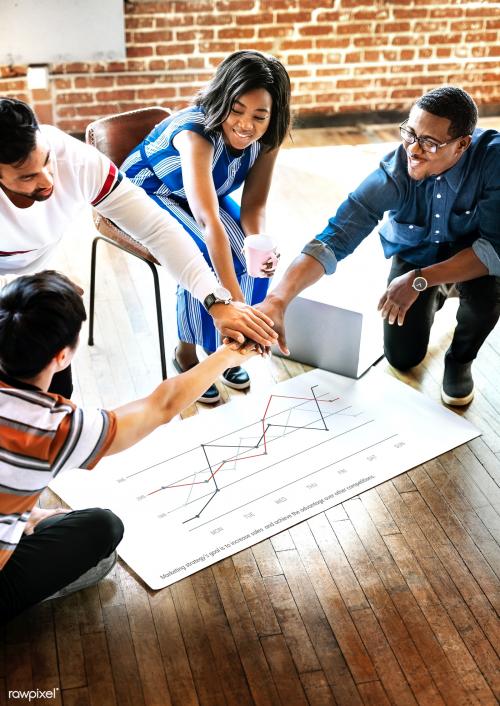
point(199, 490)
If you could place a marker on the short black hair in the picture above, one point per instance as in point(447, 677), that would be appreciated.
point(239, 73)
point(18, 129)
point(452, 103)
point(39, 316)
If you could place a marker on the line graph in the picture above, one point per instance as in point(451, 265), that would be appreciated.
point(213, 470)
point(198, 490)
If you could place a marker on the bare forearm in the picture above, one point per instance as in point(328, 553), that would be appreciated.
point(303, 272)
point(253, 221)
point(177, 393)
point(222, 259)
point(462, 267)
point(137, 419)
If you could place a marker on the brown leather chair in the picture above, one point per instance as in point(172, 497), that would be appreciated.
point(116, 136)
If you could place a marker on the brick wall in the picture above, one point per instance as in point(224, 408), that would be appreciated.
point(343, 56)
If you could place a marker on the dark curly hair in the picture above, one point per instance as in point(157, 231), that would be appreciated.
point(239, 73)
point(39, 316)
point(452, 103)
point(18, 128)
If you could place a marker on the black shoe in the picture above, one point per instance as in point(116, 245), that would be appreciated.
point(238, 378)
point(458, 385)
point(210, 396)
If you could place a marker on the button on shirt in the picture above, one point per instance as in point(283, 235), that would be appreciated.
point(460, 207)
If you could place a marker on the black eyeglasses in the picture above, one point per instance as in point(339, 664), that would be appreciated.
point(426, 143)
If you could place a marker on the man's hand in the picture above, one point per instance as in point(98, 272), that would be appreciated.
point(398, 298)
point(272, 306)
point(239, 321)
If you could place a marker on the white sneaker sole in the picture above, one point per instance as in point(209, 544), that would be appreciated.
point(457, 401)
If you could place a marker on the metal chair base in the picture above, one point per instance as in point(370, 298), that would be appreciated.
point(156, 284)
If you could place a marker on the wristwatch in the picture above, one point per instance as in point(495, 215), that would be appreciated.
point(419, 283)
point(218, 296)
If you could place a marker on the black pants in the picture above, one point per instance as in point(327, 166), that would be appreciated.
point(478, 312)
point(62, 548)
point(62, 383)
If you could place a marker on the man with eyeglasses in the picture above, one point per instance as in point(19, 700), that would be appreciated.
point(441, 189)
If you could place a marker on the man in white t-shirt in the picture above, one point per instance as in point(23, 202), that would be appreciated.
point(46, 177)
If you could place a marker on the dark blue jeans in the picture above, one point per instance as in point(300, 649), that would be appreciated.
point(62, 548)
point(478, 312)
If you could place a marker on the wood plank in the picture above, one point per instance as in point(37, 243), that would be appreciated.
point(374, 545)
point(292, 625)
point(422, 612)
point(373, 694)
point(43, 651)
point(392, 679)
point(247, 642)
point(465, 513)
point(283, 671)
point(343, 646)
point(266, 559)
point(460, 550)
point(419, 626)
point(72, 672)
point(126, 677)
point(227, 661)
point(256, 596)
point(198, 649)
point(392, 623)
point(378, 512)
point(76, 697)
point(317, 690)
point(98, 670)
point(145, 642)
point(175, 660)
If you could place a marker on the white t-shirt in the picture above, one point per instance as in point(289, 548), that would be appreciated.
point(82, 175)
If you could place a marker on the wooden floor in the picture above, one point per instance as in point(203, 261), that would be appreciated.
point(389, 598)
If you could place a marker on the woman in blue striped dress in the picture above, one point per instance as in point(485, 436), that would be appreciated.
point(193, 160)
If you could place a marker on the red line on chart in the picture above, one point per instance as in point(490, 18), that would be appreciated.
point(244, 458)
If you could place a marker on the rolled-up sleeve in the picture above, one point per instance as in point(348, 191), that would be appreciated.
point(323, 254)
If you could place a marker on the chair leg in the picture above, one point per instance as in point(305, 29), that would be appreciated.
point(156, 284)
point(159, 318)
point(92, 290)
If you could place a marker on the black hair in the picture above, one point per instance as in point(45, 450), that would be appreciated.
point(239, 73)
point(39, 316)
point(18, 128)
point(452, 103)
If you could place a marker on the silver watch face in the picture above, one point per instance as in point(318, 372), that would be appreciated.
point(223, 294)
point(420, 284)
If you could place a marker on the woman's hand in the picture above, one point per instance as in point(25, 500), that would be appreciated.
point(269, 267)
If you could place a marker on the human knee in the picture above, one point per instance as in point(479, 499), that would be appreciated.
point(105, 526)
point(403, 359)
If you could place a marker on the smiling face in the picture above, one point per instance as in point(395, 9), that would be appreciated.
point(32, 180)
point(248, 119)
point(425, 164)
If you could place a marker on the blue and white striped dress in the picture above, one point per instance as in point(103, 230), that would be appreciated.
point(155, 165)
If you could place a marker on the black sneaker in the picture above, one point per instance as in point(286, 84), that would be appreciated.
point(237, 378)
point(458, 385)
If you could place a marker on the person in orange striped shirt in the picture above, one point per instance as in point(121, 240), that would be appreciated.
point(42, 433)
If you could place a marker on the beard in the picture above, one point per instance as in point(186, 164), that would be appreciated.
point(36, 195)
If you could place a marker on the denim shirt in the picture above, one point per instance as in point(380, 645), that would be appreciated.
point(460, 207)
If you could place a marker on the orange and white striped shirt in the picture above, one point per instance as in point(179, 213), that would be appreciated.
point(40, 435)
